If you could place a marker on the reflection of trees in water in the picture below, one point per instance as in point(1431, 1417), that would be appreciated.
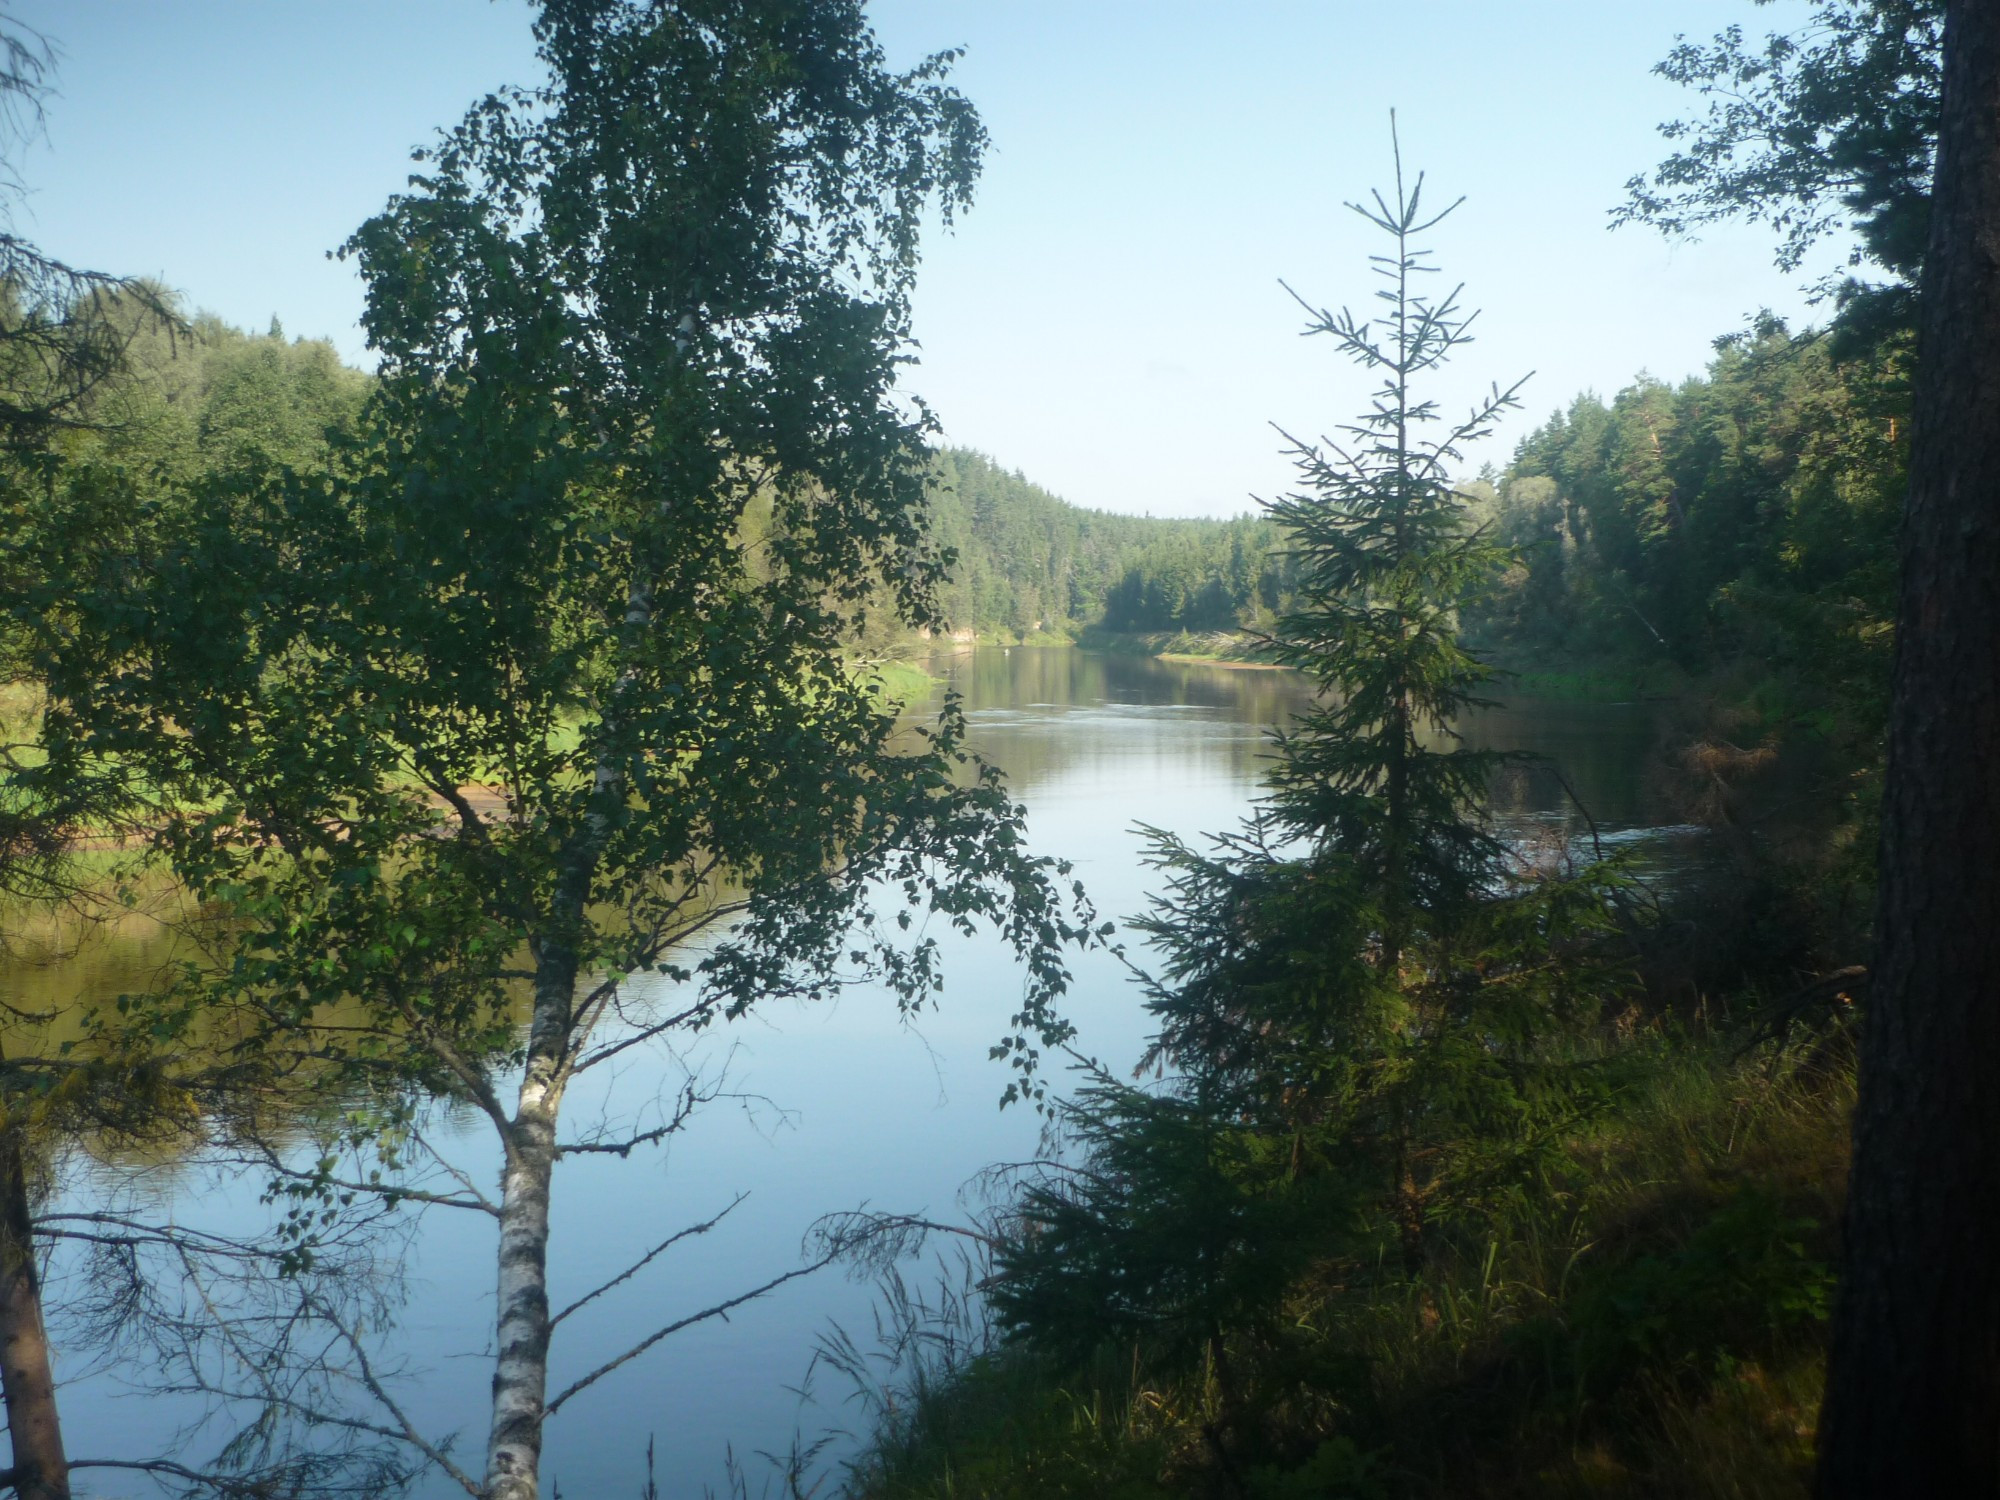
point(126, 1163)
point(1024, 676)
point(1042, 713)
point(1601, 749)
point(54, 961)
point(1114, 706)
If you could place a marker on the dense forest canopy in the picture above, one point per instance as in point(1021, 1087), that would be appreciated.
point(1745, 511)
point(1029, 561)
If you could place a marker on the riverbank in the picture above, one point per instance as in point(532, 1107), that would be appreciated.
point(1644, 1315)
point(1215, 648)
point(1581, 678)
point(898, 682)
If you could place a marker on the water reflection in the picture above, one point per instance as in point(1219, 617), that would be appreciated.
point(845, 1104)
point(1600, 752)
point(1042, 713)
point(1048, 714)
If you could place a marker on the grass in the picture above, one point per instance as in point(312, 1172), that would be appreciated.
point(1657, 1322)
point(1652, 1325)
point(1192, 646)
point(898, 683)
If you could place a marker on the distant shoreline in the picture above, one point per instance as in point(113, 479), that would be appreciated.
point(1230, 663)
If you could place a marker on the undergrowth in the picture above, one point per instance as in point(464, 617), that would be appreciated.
point(1652, 1325)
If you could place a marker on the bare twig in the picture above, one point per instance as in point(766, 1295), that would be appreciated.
point(649, 1257)
point(719, 1310)
point(409, 1430)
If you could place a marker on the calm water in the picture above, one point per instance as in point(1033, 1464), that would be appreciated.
point(841, 1105)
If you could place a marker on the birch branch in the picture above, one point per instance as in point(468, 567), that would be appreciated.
point(648, 1258)
point(374, 1386)
point(720, 1310)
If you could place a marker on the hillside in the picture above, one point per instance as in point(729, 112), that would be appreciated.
point(1028, 561)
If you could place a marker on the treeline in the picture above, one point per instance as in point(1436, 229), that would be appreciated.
point(1028, 561)
point(1730, 540)
point(202, 397)
point(1746, 513)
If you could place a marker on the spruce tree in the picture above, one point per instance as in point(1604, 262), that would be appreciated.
point(1370, 1007)
point(1367, 958)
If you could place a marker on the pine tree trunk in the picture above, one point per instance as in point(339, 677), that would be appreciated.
point(1396, 841)
point(1913, 1392)
point(27, 1378)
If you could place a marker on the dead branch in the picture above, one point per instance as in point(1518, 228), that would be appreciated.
point(649, 1257)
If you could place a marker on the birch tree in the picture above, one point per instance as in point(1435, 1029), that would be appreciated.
point(545, 686)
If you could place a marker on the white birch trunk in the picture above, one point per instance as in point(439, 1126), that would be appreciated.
point(521, 1359)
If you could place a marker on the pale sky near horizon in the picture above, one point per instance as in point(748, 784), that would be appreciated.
point(1108, 319)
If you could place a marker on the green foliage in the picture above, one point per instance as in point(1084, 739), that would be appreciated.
point(1749, 511)
point(1652, 1324)
point(1731, 541)
point(618, 501)
point(1025, 561)
point(1196, 580)
point(192, 401)
point(1009, 1427)
point(1168, 1232)
point(1833, 127)
point(1745, 1274)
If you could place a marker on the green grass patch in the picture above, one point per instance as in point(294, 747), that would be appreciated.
point(897, 683)
point(1231, 647)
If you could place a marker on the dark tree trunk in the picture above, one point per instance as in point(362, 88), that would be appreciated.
point(1913, 1391)
point(27, 1379)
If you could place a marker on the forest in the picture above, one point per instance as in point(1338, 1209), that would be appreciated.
point(479, 731)
point(1027, 562)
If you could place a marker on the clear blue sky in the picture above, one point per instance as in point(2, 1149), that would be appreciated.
point(1108, 319)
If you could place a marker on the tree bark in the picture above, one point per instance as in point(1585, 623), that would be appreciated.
point(1913, 1389)
point(27, 1378)
point(521, 1361)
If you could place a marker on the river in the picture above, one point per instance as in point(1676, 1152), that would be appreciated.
point(841, 1105)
